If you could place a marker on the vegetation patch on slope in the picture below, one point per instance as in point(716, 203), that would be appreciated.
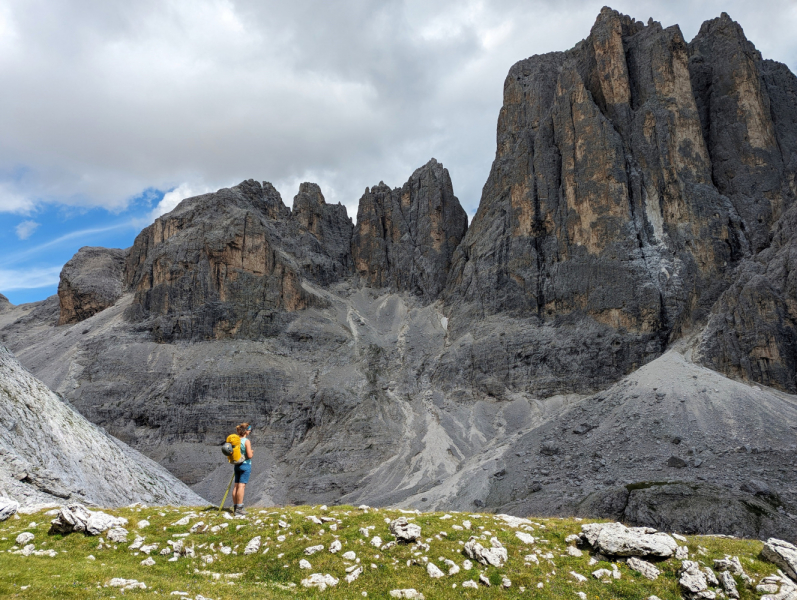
point(201, 554)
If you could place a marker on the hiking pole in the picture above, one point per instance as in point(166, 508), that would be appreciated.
point(223, 500)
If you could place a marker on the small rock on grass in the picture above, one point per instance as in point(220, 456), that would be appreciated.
point(8, 508)
point(148, 562)
point(24, 538)
point(434, 571)
point(117, 535)
point(127, 584)
point(349, 555)
point(524, 537)
point(453, 568)
point(729, 584)
point(470, 584)
point(253, 545)
point(645, 568)
point(320, 581)
point(404, 530)
point(495, 556)
point(304, 564)
point(783, 554)
point(410, 593)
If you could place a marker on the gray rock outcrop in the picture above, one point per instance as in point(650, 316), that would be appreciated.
point(8, 508)
point(599, 214)
point(615, 539)
point(51, 453)
point(693, 582)
point(404, 530)
point(495, 555)
point(77, 518)
point(783, 554)
point(91, 281)
point(197, 269)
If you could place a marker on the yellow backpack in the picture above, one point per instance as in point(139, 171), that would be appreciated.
point(233, 449)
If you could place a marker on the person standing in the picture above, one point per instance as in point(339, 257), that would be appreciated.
point(243, 470)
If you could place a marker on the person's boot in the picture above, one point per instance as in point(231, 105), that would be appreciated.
point(234, 508)
point(241, 510)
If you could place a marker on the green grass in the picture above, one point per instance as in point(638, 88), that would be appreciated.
point(276, 574)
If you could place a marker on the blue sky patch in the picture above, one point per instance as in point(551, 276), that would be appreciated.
point(37, 245)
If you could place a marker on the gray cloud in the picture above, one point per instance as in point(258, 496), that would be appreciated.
point(106, 99)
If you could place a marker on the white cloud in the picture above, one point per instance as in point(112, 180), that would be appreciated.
point(26, 228)
point(28, 278)
point(172, 199)
point(14, 202)
point(155, 93)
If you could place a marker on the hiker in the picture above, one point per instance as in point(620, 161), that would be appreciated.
point(243, 470)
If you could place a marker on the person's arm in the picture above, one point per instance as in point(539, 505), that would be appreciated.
point(249, 452)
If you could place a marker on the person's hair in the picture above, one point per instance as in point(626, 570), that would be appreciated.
point(241, 429)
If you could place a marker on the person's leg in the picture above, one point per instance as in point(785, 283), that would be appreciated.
point(245, 470)
point(236, 488)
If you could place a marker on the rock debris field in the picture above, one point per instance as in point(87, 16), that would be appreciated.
point(345, 552)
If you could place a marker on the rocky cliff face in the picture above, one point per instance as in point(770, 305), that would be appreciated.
point(600, 211)
point(638, 221)
point(231, 264)
point(48, 452)
point(752, 331)
point(405, 238)
point(749, 116)
point(90, 282)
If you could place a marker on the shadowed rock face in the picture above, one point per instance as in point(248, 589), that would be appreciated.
point(736, 112)
point(404, 238)
point(749, 114)
point(90, 282)
point(752, 331)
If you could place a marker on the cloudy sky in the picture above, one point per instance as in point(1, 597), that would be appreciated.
point(113, 111)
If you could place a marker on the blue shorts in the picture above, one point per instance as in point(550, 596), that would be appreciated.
point(242, 472)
